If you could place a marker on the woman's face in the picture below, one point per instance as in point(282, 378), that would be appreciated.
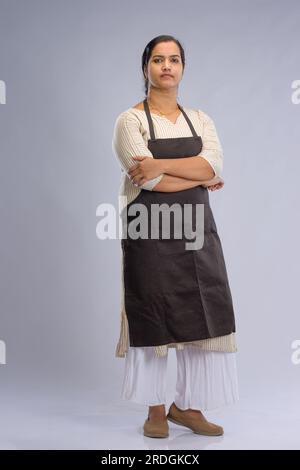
point(165, 59)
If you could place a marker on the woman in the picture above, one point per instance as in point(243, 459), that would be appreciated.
point(172, 296)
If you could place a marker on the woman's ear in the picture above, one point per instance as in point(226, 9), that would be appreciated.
point(145, 71)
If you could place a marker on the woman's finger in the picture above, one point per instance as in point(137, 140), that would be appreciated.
point(133, 167)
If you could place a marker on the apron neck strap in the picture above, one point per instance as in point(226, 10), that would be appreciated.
point(151, 128)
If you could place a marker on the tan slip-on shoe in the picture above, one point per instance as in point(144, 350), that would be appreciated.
point(160, 429)
point(197, 425)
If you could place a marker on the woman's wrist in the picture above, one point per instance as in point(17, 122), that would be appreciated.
point(160, 165)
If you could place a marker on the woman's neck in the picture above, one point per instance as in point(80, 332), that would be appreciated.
point(164, 102)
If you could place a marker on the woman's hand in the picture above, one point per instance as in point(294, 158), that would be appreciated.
point(216, 183)
point(146, 169)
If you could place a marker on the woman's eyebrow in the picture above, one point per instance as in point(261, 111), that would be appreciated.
point(172, 55)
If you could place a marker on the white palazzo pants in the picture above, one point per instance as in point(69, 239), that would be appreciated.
point(206, 380)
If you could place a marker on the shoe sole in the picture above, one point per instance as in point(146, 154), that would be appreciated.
point(155, 435)
point(203, 433)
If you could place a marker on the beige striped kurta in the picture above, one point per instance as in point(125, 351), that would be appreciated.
point(130, 136)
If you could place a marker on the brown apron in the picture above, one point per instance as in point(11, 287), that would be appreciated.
point(171, 294)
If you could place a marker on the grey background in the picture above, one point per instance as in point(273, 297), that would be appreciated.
point(70, 68)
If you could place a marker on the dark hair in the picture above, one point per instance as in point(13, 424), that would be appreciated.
point(148, 50)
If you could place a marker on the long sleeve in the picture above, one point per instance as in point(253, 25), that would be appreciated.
point(128, 142)
point(212, 150)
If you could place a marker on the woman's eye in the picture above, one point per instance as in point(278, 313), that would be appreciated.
point(174, 60)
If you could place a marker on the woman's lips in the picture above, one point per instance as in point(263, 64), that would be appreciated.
point(166, 76)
